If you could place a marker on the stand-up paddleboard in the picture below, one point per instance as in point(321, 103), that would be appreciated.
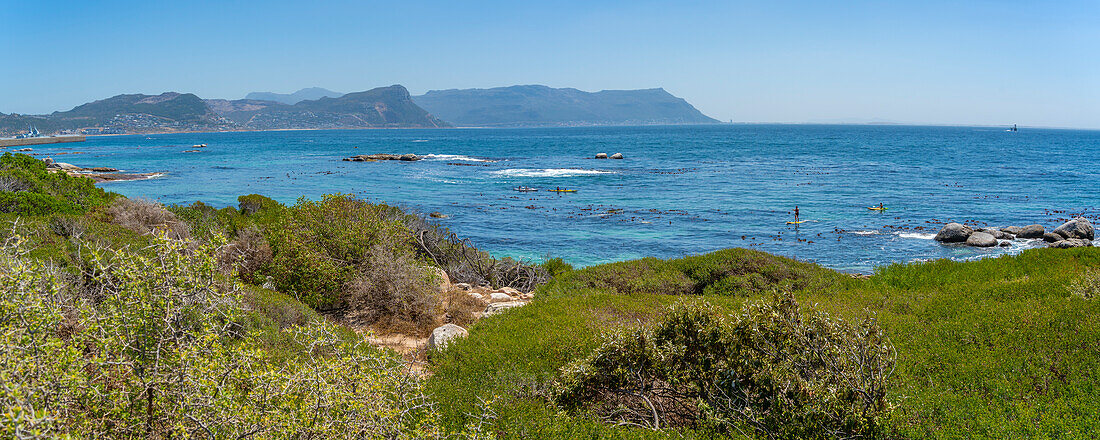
point(798, 222)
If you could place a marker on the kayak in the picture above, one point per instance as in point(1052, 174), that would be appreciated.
point(525, 189)
point(798, 222)
point(875, 208)
point(562, 190)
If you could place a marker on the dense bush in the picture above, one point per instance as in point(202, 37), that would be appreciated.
point(321, 247)
point(145, 217)
point(157, 352)
point(254, 203)
point(22, 174)
point(556, 266)
point(391, 292)
point(28, 203)
point(739, 272)
point(771, 371)
point(246, 255)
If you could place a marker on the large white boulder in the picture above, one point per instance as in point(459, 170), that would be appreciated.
point(443, 335)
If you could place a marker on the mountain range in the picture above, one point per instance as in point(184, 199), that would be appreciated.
point(536, 105)
point(383, 107)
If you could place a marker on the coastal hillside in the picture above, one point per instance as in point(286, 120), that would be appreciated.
point(380, 107)
point(136, 113)
point(338, 315)
point(174, 112)
point(536, 105)
point(306, 94)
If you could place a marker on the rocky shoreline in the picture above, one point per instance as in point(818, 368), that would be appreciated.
point(97, 174)
point(1077, 232)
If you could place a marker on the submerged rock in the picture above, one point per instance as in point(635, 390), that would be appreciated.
point(981, 239)
point(1079, 227)
point(1031, 231)
point(443, 335)
point(1071, 243)
point(954, 233)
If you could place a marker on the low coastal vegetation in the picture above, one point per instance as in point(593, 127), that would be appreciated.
point(123, 318)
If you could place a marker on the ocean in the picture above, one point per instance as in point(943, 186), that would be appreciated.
point(680, 190)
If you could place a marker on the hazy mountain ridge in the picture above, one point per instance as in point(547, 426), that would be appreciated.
point(382, 107)
point(379, 107)
point(537, 105)
point(306, 94)
point(172, 111)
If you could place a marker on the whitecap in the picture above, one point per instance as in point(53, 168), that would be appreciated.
point(866, 232)
point(420, 140)
point(548, 172)
point(457, 157)
point(916, 235)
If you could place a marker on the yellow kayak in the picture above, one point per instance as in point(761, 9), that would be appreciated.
point(562, 190)
point(875, 208)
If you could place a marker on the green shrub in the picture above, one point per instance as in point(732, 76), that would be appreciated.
point(28, 203)
point(771, 371)
point(739, 272)
point(23, 173)
point(254, 203)
point(158, 352)
point(319, 247)
point(556, 266)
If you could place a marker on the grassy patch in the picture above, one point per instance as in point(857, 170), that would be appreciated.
point(994, 348)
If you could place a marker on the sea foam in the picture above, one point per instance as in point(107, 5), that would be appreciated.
point(917, 235)
point(548, 172)
point(453, 157)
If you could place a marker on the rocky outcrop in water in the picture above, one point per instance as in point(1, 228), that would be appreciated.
point(981, 239)
point(1031, 231)
point(1078, 232)
point(408, 157)
point(954, 233)
point(1079, 227)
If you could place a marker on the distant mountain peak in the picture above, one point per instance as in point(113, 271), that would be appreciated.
point(540, 105)
point(306, 94)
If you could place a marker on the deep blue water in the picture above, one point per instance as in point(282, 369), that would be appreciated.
point(681, 190)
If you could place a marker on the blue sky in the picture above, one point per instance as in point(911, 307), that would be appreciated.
point(1034, 63)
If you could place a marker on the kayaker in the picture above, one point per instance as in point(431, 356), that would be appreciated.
point(880, 208)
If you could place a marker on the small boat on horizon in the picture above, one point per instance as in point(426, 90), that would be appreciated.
point(1013, 129)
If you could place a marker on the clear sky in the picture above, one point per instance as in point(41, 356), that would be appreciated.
point(1035, 63)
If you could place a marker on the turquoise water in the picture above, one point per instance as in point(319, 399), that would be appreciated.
point(681, 189)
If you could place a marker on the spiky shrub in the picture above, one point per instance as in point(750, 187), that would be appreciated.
point(774, 371)
point(152, 349)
